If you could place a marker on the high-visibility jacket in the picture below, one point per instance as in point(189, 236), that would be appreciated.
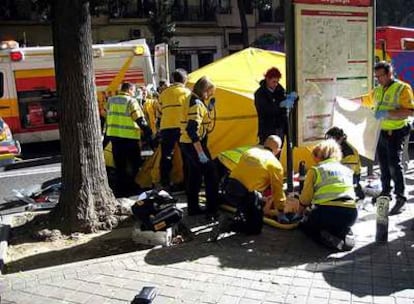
point(259, 169)
point(333, 184)
point(398, 95)
point(171, 104)
point(194, 110)
point(122, 112)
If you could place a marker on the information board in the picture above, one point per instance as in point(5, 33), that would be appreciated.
point(334, 57)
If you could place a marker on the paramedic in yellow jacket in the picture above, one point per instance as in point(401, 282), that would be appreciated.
point(124, 122)
point(171, 102)
point(257, 170)
point(350, 157)
point(393, 103)
point(193, 143)
point(328, 188)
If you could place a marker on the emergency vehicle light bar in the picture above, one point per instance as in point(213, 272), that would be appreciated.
point(16, 56)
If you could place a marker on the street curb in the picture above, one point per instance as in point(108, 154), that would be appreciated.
point(5, 226)
point(34, 162)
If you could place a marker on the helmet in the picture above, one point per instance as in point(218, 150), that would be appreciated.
point(335, 133)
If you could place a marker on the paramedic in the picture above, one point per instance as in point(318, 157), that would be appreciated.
point(267, 98)
point(124, 122)
point(193, 143)
point(350, 157)
point(329, 188)
point(257, 170)
point(171, 102)
point(393, 103)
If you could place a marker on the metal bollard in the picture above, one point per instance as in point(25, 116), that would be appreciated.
point(382, 203)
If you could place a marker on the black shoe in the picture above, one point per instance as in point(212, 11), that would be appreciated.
point(331, 241)
point(349, 242)
point(398, 207)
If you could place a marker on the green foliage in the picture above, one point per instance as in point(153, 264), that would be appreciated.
point(160, 22)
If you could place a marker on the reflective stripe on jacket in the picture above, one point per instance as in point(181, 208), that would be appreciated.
point(333, 185)
point(119, 122)
point(389, 99)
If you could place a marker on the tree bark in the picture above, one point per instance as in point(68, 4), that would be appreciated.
point(243, 23)
point(86, 204)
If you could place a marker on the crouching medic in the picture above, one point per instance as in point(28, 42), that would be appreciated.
point(329, 192)
point(257, 170)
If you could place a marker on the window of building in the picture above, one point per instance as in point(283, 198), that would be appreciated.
point(235, 38)
point(1, 84)
point(204, 59)
point(183, 61)
point(224, 6)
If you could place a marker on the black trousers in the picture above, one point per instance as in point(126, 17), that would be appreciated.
point(389, 153)
point(194, 173)
point(169, 137)
point(249, 214)
point(127, 159)
point(336, 220)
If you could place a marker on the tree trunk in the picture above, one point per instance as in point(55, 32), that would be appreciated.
point(243, 23)
point(86, 203)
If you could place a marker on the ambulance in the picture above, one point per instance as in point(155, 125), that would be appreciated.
point(396, 45)
point(28, 100)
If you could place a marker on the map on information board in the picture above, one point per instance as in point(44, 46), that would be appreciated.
point(333, 58)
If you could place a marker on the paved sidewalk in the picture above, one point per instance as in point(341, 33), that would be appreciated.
point(279, 266)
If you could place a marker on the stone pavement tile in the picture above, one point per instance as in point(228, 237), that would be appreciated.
point(403, 301)
point(249, 301)
point(234, 291)
point(321, 284)
point(260, 285)
point(292, 299)
point(319, 293)
point(340, 295)
point(302, 282)
point(275, 297)
point(254, 294)
point(384, 300)
point(299, 291)
point(228, 300)
point(76, 296)
point(125, 294)
point(312, 300)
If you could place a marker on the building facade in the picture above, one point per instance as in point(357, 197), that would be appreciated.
point(205, 30)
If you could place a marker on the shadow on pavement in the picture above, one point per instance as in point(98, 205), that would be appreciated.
point(375, 269)
point(272, 249)
point(105, 244)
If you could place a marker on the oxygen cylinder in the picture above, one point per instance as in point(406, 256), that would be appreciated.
point(302, 173)
point(382, 204)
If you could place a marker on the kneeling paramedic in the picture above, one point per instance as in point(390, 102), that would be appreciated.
point(328, 189)
point(257, 170)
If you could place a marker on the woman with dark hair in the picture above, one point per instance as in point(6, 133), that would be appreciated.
point(267, 98)
point(193, 144)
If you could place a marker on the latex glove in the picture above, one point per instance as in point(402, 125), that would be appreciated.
point(211, 104)
point(203, 157)
point(281, 218)
point(289, 101)
point(297, 217)
point(380, 114)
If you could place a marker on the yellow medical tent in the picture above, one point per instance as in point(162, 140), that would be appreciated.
point(236, 77)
